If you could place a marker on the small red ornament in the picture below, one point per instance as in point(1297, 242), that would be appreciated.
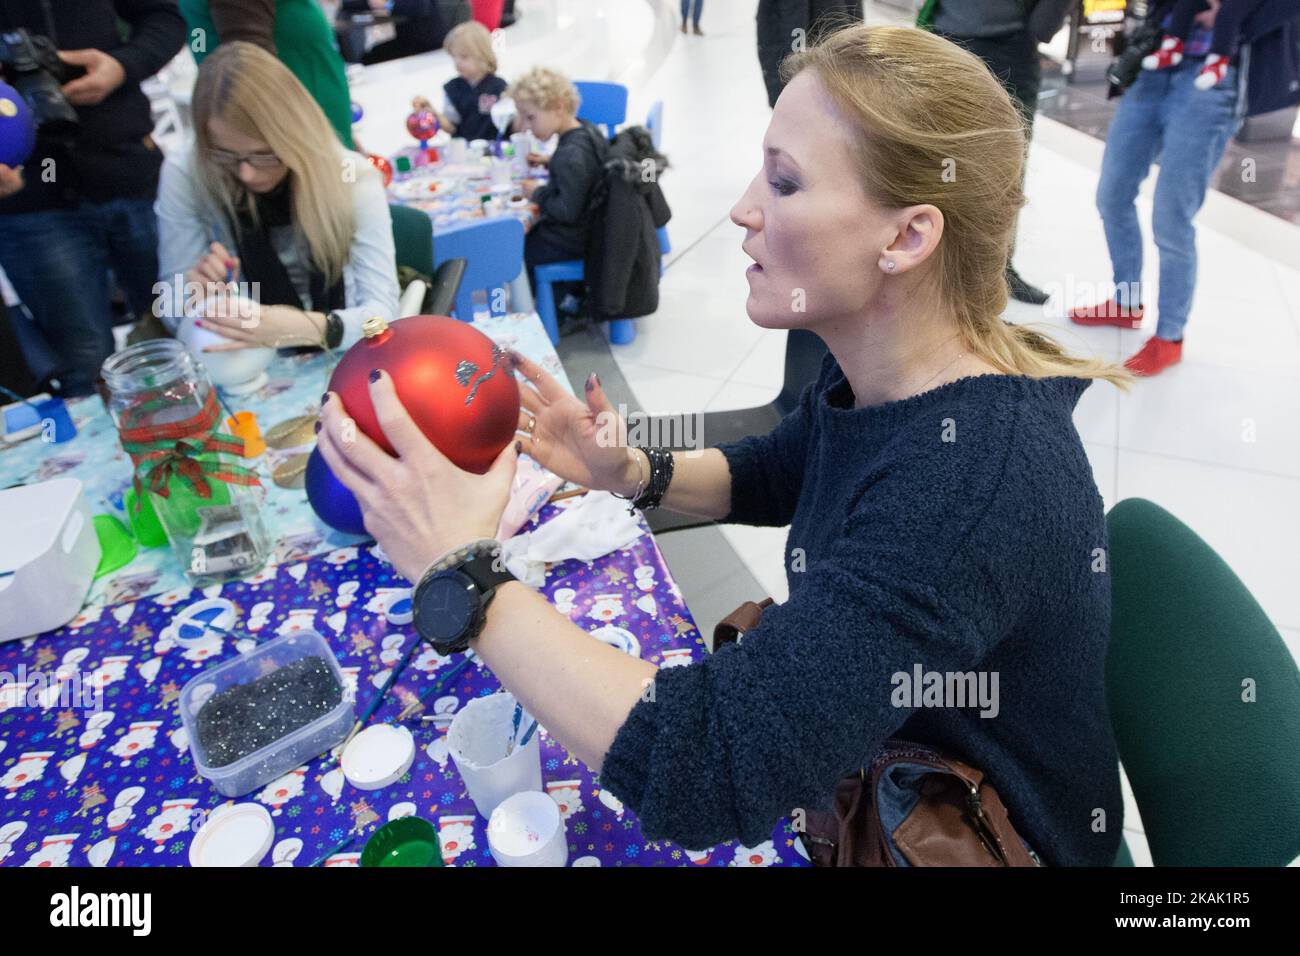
point(422, 124)
point(455, 382)
point(383, 165)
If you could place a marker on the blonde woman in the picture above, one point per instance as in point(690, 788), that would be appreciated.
point(267, 196)
point(943, 515)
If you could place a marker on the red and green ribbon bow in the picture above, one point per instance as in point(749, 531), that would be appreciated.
point(173, 449)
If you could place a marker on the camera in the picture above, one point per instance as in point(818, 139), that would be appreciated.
point(32, 67)
point(1124, 70)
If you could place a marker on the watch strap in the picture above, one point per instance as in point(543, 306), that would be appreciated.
point(333, 330)
point(452, 559)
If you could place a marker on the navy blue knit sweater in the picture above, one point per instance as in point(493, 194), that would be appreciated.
point(958, 530)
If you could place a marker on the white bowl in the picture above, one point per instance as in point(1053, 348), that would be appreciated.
point(238, 371)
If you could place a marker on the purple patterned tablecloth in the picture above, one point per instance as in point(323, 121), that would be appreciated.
point(119, 787)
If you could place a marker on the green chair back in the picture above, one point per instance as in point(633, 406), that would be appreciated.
point(1204, 699)
point(413, 238)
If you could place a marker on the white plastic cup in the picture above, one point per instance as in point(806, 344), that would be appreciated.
point(478, 149)
point(528, 830)
point(456, 150)
point(477, 740)
point(523, 144)
point(501, 169)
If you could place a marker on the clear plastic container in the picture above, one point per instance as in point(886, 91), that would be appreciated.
point(289, 752)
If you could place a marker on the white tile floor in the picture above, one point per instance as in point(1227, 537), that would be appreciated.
point(1215, 440)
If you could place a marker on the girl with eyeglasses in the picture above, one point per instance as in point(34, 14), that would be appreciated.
point(268, 198)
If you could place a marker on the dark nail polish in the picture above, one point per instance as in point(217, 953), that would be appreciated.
point(519, 447)
point(374, 375)
point(324, 399)
point(592, 381)
point(318, 428)
point(515, 360)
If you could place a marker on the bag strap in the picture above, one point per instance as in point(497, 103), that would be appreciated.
point(733, 627)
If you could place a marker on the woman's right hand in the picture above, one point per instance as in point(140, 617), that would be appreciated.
point(216, 266)
point(582, 442)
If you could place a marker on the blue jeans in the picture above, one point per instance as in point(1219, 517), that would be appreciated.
point(686, 11)
point(1164, 118)
point(59, 261)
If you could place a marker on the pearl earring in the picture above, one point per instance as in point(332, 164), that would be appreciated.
point(889, 264)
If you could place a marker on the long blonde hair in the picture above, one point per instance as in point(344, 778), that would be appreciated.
point(935, 127)
point(255, 93)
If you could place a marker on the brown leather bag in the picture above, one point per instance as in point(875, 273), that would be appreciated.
point(958, 819)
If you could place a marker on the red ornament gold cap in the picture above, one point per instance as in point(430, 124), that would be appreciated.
point(373, 326)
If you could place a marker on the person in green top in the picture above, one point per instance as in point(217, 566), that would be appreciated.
point(296, 31)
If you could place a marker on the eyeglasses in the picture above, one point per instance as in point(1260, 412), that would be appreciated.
point(223, 157)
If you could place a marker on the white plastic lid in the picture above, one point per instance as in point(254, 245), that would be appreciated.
point(401, 612)
point(378, 756)
point(235, 835)
point(190, 625)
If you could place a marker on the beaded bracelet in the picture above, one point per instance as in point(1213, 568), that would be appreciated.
point(661, 475)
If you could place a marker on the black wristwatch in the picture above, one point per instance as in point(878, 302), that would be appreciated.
point(333, 330)
point(451, 599)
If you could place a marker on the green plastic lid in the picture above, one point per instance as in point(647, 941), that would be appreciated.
point(117, 547)
point(406, 841)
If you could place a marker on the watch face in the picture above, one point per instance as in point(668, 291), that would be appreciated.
point(447, 605)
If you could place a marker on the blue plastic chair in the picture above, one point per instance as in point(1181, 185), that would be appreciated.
point(621, 331)
point(603, 103)
point(494, 252)
point(654, 122)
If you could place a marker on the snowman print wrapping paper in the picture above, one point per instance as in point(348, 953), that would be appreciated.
point(117, 786)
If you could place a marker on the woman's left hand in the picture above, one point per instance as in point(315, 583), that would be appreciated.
point(249, 325)
point(419, 506)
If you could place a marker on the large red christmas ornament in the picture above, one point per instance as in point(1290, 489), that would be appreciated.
point(456, 383)
point(383, 165)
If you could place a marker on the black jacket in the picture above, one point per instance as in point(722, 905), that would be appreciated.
point(622, 264)
point(566, 199)
point(777, 21)
point(113, 156)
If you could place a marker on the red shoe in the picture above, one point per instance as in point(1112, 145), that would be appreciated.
point(1211, 74)
point(1154, 357)
point(1169, 54)
point(1108, 313)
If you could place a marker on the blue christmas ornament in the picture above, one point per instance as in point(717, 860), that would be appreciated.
point(17, 130)
point(330, 498)
point(356, 113)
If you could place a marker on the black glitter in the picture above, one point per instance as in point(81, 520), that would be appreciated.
point(244, 719)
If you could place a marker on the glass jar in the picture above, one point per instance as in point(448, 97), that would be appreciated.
point(161, 372)
point(167, 416)
point(217, 538)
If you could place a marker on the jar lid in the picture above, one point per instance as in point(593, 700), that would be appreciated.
point(378, 756)
point(234, 835)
